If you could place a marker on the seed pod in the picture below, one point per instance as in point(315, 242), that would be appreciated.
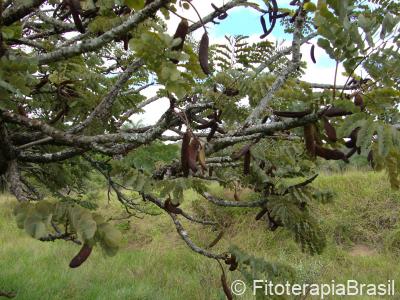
point(263, 24)
point(309, 139)
point(168, 206)
point(330, 154)
point(181, 33)
point(353, 138)
point(210, 171)
point(193, 152)
point(246, 163)
point(312, 53)
point(291, 114)
point(3, 163)
point(201, 157)
point(330, 130)
point(185, 153)
point(225, 286)
point(236, 196)
point(370, 158)
point(351, 152)
point(359, 101)
point(216, 240)
point(238, 154)
point(336, 112)
point(212, 131)
point(203, 53)
point(75, 7)
point(81, 257)
point(231, 92)
point(261, 213)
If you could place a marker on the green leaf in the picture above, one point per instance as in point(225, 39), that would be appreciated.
point(135, 4)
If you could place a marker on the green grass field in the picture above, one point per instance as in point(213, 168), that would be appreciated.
point(362, 227)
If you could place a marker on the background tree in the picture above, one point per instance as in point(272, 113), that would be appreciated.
point(71, 75)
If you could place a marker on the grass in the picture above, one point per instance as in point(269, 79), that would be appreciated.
point(362, 227)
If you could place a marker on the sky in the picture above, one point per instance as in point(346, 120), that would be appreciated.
point(243, 21)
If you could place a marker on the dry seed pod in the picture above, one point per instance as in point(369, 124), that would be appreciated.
point(185, 153)
point(216, 240)
point(225, 286)
point(246, 163)
point(359, 101)
point(261, 213)
point(291, 114)
point(210, 172)
point(75, 7)
point(193, 152)
point(168, 206)
point(330, 154)
point(330, 130)
point(212, 131)
point(309, 139)
point(370, 158)
point(181, 32)
point(201, 157)
point(312, 53)
point(203, 53)
point(336, 112)
point(238, 154)
point(81, 257)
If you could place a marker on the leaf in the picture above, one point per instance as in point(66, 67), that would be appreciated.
point(35, 227)
point(86, 226)
point(135, 4)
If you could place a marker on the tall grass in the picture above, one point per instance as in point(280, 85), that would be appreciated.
point(362, 228)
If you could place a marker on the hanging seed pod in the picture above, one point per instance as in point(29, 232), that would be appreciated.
point(3, 163)
point(212, 131)
point(216, 240)
point(81, 257)
point(291, 114)
point(185, 153)
point(309, 139)
point(210, 171)
point(330, 154)
point(203, 53)
point(238, 154)
point(201, 157)
point(351, 152)
point(246, 163)
point(261, 213)
point(226, 288)
point(353, 138)
point(370, 158)
point(193, 153)
point(330, 131)
point(359, 101)
point(75, 7)
point(181, 32)
point(168, 206)
point(312, 54)
point(336, 112)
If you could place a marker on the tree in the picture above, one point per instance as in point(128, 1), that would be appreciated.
point(71, 75)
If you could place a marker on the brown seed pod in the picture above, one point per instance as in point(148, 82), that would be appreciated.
point(3, 163)
point(231, 92)
point(216, 240)
point(236, 196)
point(312, 54)
point(309, 139)
point(194, 147)
point(336, 112)
point(214, 128)
point(75, 8)
point(226, 288)
point(291, 114)
point(203, 53)
point(351, 152)
point(330, 154)
point(81, 257)
point(359, 101)
point(181, 32)
point(201, 157)
point(353, 138)
point(330, 130)
point(210, 171)
point(168, 206)
point(246, 163)
point(238, 154)
point(370, 158)
point(261, 213)
point(185, 153)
